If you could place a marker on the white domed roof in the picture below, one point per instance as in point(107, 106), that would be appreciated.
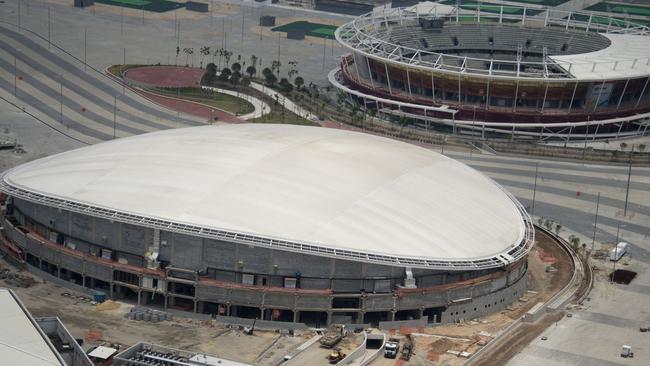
point(322, 191)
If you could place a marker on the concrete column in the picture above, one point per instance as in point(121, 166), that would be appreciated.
point(196, 305)
point(200, 306)
point(329, 318)
point(140, 298)
point(262, 313)
point(421, 313)
point(112, 293)
point(228, 310)
point(360, 317)
point(165, 302)
point(296, 316)
point(392, 315)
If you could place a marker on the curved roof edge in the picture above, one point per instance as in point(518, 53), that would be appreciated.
point(511, 255)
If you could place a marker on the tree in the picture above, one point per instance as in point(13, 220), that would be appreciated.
point(188, 51)
point(270, 78)
point(275, 66)
point(250, 70)
point(641, 147)
point(266, 71)
point(623, 145)
point(299, 82)
point(245, 81)
point(285, 86)
point(236, 67)
point(210, 72)
point(253, 60)
point(225, 74)
point(558, 227)
point(235, 77)
point(205, 51)
point(227, 55)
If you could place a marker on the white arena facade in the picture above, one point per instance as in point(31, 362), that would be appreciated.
point(277, 222)
point(499, 72)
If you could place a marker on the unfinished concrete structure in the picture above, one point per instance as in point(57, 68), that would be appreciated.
point(275, 222)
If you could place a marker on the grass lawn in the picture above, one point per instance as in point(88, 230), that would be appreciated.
point(158, 6)
point(541, 2)
point(288, 118)
point(621, 9)
point(492, 8)
point(311, 29)
point(224, 102)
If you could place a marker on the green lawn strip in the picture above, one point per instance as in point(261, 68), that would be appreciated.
point(311, 29)
point(621, 9)
point(541, 2)
point(493, 8)
point(617, 22)
point(283, 118)
point(158, 6)
point(225, 102)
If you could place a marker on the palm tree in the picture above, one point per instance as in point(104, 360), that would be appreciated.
point(299, 82)
point(205, 51)
point(250, 70)
point(236, 67)
point(188, 51)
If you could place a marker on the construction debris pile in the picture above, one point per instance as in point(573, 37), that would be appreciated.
point(148, 315)
point(14, 279)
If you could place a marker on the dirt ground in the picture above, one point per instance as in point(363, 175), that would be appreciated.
point(80, 317)
point(268, 347)
point(432, 346)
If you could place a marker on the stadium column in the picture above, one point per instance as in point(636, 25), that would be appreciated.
point(620, 99)
point(600, 92)
point(573, 95)
point(408, 81)
point(643, 90)
point(372, 84)
point(390, 89)
point(516, 96)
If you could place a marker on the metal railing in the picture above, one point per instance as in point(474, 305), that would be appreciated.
point(362, 35)
point(323, 250)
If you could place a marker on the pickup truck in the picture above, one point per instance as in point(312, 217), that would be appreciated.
point(391, 348)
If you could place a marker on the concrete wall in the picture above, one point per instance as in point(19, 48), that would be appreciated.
point(223, 260)
point(228, 261)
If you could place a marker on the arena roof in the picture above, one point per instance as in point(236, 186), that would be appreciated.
point(628, 56)
point(21, 342)
point(335, 193)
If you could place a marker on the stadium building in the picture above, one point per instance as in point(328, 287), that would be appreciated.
point(277, 222)
point(499, 71)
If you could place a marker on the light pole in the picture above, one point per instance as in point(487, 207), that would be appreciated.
point(123, 66)
point(122, 18)
point(593, 240)
point(49, 28)
point(61, 99)
point(629, 176)
point(114, 115)
point(85, 47)
point(15, 76)
point(532, 210)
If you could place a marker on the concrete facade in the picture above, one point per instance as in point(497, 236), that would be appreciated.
point(220, 278)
